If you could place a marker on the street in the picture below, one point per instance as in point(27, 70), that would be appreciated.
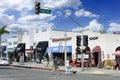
point(16, 73)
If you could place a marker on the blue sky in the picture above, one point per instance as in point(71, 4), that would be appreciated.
point(96, 15)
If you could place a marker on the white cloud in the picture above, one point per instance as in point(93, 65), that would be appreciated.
point(85, 13)
point(2, 10)
point(6, 20)
point(45, 26)
point(25, 18)
point(39, 21)
point(61, 3)
point(114, 27)
point(27, 5)
point(33, 18)
point(95, 26)
point(68, 12)
point(78, 29)
point(16, 4)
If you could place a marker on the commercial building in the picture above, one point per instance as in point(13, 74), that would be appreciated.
point(51, 43)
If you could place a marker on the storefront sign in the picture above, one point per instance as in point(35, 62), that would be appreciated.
point(93, 38)
point(59, 49)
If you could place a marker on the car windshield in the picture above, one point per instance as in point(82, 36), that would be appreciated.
point(4, 59)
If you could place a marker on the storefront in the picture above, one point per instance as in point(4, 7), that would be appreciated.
point(58, 51)
point(40, 50)
point(101, 45)
point(3, 51)
point(20, 52)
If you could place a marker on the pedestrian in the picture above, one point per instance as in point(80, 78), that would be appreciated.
point(115, 64)
point(55, 62)
point(67, 66)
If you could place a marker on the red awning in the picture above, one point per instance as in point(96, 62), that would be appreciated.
point(117, 53)
point(96, 49)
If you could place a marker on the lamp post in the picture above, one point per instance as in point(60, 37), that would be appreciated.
point(49, 49)
point(65, 35)
point(34, 45)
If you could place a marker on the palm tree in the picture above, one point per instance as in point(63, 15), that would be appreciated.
point(2, 31)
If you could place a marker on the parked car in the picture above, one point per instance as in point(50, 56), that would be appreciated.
point(4, 62)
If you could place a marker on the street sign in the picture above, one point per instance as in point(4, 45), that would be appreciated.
point(47, 11)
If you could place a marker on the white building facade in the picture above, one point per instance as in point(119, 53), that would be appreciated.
point(102, 45)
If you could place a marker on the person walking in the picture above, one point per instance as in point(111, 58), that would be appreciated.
point(115, 65)
point(67, 66)
point(55, 62)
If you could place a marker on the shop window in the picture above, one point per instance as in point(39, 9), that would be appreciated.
point(9, 43)
point(15, 43)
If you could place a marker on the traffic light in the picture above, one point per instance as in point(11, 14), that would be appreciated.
point(78, 40)
point(85, 40)
point(37, 8)
point(78, 50)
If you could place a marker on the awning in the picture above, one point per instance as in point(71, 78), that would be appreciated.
point(11, 50)
point(41, 46)
point(20, 48)
point(118, 48)
point(96, 49)
point(69, 49)
point(59, 49)
point(117, 53)
point(2, 48)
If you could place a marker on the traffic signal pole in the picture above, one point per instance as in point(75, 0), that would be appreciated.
point(82, 57)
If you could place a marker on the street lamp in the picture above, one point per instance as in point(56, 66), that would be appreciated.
point(65, 35)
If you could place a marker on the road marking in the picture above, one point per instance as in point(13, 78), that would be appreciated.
point(98, 72)
point(115, 75)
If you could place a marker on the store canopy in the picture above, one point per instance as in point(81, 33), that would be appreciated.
point(20, 48)
point(41, 46)
point(10, 50)
point(117, 53)
point(2, 48)
point(59, 49)
point(96, 49)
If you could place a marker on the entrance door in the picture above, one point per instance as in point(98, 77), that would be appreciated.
point(96, 57)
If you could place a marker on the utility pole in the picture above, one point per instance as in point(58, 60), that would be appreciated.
point(65, 34)
point(49, 11)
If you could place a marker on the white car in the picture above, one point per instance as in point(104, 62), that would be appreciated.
point(4, 62)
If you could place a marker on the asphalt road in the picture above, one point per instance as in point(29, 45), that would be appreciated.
point(16, 73)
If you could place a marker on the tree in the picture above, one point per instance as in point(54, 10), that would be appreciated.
point(3, 31)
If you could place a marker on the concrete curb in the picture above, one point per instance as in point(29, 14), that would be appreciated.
point(35, 67)
point(92, 71)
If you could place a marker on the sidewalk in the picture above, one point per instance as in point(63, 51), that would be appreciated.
point(91, 70)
